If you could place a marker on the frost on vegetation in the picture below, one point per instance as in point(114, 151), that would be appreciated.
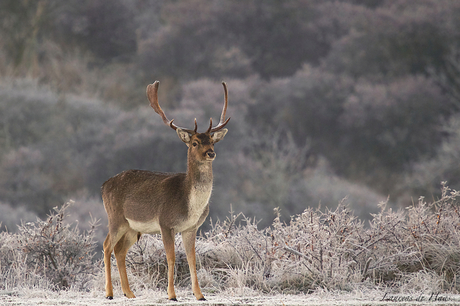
point(412, 249)
point(416, 249)
point(48, 253)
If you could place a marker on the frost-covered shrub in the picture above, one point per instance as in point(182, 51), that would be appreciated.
point(57, 251)
point(435, 233)
point(314, 250)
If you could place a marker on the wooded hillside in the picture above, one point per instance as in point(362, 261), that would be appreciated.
point(327, 99)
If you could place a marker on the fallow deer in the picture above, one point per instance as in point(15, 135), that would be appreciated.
point(142, 202)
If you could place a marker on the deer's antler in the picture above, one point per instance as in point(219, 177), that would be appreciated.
point(152, 95)
point(222, 121)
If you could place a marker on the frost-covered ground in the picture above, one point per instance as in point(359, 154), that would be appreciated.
point(150, 297)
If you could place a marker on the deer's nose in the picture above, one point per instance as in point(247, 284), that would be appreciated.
point(211, 154)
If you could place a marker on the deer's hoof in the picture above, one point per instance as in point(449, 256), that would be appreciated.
point(109, 297)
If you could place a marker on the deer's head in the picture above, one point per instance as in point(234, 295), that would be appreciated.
point(200, 145)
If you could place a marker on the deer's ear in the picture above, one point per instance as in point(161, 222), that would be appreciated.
point(183, 135)
point(219, 135)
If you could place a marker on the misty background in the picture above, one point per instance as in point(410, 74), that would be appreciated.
point(328, 99)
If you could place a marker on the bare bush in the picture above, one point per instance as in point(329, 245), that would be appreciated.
point(48, 251)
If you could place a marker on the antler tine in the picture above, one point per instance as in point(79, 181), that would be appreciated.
point(152, 95)
point(224, 110)
point(222, 121)
point(210, 126)
point(196, 127)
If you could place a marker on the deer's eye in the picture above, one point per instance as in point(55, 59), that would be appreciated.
point(195, 144)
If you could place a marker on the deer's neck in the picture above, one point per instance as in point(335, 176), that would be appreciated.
point(199, 175)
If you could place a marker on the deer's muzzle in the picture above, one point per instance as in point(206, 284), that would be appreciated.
point(210, 154)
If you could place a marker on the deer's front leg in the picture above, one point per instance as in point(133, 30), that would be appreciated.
point(189, 243)
point(168, 241)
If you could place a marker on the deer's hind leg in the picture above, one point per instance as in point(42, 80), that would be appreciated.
point(107, 265)
point(109, 244)
point(121, 248)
